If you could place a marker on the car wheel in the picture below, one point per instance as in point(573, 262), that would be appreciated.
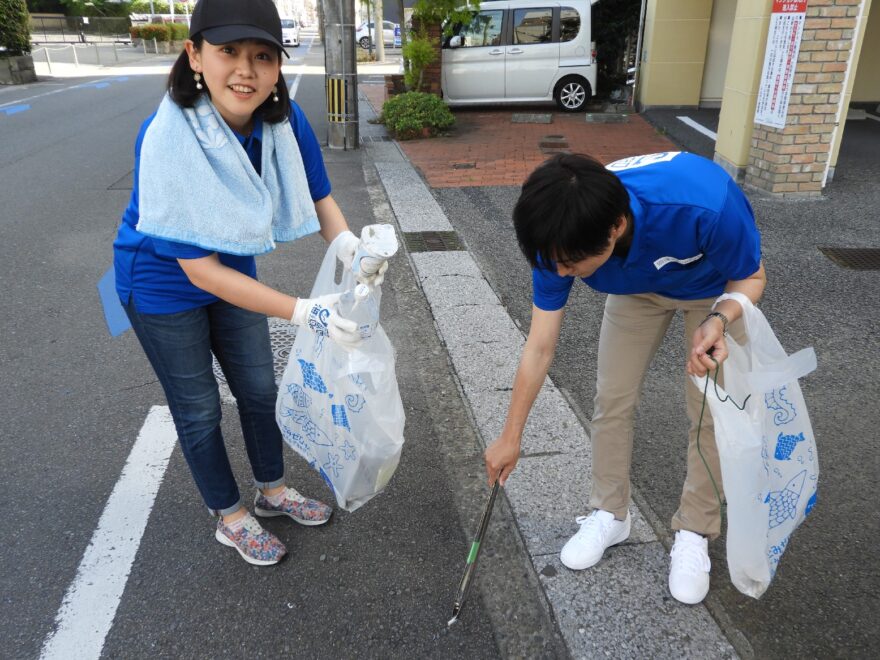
point(296, 45)
point(571, 94)
point(364, 42)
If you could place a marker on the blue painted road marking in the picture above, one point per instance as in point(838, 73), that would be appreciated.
point(14, 109)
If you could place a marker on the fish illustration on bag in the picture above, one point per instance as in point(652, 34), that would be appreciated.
point(785, 445)
point(783, 503)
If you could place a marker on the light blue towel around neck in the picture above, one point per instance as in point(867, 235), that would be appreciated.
point(197, 185)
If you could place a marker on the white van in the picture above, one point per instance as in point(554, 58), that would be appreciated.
point(290, 31)
point(522, 51)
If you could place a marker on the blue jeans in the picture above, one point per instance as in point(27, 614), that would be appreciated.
point(179, 347)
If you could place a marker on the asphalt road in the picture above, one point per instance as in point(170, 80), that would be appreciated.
point(823, 602)
point(377, 583)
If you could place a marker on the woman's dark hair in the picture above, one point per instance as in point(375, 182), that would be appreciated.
point(566, 210)
point(182, 88)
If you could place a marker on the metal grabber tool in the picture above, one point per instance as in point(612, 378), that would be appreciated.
point(465, 585)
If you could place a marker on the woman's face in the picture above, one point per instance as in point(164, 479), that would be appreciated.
point(239, 75)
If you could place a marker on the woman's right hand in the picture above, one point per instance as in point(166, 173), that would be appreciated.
point(501, 458)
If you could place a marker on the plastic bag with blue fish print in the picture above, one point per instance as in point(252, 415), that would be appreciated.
point(341, 410)
point(769, 463)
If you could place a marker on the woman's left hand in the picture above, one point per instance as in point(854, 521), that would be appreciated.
point(708, 338)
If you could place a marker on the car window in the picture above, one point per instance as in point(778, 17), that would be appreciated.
point(532, 26)
point(483, 30)
point(287, 23)
point(569, 24)
point(388, 25)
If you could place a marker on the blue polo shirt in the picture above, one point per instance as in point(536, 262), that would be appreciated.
point(693, 232)
point(146, 268)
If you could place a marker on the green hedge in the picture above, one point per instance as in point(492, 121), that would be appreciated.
point(415, 114)
point(143, 7)
point(160, 31)
point(15, 35)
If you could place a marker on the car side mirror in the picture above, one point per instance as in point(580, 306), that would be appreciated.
point(456, 41)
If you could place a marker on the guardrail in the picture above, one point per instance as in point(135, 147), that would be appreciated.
point(91, 47)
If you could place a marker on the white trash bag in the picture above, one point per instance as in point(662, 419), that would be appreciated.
point(769, 462)
point(341, 410)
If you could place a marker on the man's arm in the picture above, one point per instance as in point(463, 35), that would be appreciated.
point(502, 455)
point(710, 334)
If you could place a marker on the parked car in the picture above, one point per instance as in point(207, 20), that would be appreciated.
point(522, 51)
point(290, 31)
point(362, 36)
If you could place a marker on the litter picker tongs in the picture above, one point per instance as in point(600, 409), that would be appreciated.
point(465, 585)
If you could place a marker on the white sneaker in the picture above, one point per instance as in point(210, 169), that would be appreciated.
point(598, 532)
point(689, 571)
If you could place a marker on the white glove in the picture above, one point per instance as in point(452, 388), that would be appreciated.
point(372, 271)
point(368, 270)
point(346, 247)
point(321, 317)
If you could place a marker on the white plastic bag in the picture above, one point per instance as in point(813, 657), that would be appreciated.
point(769, 463)
point(340, 410)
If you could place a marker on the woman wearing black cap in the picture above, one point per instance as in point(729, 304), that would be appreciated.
point(248, 172)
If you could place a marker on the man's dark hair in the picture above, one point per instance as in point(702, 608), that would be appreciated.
point(567, 208)
point(182, 88)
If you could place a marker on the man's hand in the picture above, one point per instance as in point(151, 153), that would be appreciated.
point(709, 338)
point(501, 458)
point(321, 317)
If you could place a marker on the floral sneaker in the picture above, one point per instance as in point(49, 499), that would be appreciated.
point(303, 510)
point(254, 544)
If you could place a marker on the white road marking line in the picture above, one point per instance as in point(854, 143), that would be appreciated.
point(89, 606)
point(698, 127)
point(54, 91)
point(874, 117)
point(295, 84)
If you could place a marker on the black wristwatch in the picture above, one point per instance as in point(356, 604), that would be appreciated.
point(721, 316)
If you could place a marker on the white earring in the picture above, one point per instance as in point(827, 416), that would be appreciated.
point(198, 77)
point(275, 93)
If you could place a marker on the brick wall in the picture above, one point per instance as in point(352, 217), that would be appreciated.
point(792, 161)
point(431, 76)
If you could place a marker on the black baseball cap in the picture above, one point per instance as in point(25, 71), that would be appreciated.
point(223, 21)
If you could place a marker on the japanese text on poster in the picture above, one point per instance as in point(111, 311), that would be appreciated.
point(780, 61)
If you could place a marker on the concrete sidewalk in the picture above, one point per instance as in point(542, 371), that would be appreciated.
point(622, 607)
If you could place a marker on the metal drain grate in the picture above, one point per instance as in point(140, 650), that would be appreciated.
point(281, 336)
point(375, 138)
point(854, 258)
point(432, 241)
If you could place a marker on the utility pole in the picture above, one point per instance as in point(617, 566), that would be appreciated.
point(379, 20)
point(340, 66)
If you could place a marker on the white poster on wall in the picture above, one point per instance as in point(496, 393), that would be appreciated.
point(780, 61)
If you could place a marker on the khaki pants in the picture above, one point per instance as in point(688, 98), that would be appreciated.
point(632, 328)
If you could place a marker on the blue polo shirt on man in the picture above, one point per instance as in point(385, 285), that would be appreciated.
point(146, 268)
point(693, 232)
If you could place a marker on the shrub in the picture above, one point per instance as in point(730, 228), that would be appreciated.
point(143, 7)
point(15, 35)
point(413, 114)
point(419, 51)
point(179, 31)
point(157, 31)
